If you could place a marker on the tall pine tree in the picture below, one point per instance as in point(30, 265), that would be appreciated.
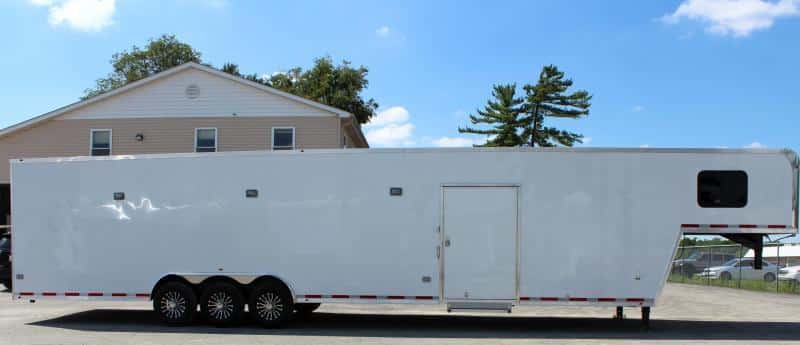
point(502, 113)
point(548, 98)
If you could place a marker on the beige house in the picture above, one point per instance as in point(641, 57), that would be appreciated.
point(189, 108)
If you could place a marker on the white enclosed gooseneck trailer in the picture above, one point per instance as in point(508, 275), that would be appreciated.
point(278, 232)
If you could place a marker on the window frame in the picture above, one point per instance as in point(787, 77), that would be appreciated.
point(283, 148)
point(746, 188)
point(216, 139)
point(110, 141)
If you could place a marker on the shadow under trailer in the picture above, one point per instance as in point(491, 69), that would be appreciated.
point(267, 234)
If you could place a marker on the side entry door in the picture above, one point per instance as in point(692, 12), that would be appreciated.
point(480, 242)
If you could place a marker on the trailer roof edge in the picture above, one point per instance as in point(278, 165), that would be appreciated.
point(791, 155)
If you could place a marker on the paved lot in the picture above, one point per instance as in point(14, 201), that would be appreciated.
point(696, 314)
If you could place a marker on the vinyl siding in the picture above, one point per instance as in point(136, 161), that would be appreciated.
point(163, 135)
point(217, 97)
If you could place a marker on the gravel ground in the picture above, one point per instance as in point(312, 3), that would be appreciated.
point(685, 313)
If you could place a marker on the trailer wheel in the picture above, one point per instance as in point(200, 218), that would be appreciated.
point(271, 304)
point(222, 304)
point(769, 277)
point(175, 303)
point(305, 309)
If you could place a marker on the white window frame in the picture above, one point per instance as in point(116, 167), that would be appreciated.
point(216, 137)
point(294, 139)
point(110, 140)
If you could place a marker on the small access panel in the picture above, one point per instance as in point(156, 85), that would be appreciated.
point(479, 232)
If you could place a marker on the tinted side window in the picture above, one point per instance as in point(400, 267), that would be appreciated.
point(722, 188)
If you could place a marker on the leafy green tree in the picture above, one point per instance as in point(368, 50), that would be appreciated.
point(549, 98)
point(158, 55)
point(502, 113)
point(231, 68)
point(339, 86)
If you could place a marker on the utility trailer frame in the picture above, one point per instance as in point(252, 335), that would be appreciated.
point(470, 229)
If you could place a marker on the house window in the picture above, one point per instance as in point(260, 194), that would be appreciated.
point(722, 188)
point(283, 138)
point(205, 140)
point(101, 142)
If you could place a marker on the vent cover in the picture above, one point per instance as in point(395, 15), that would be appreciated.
point(192, 91)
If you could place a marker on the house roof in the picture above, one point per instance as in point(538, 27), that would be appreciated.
point(167, 73)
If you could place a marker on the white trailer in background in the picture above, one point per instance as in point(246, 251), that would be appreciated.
point(274, 232)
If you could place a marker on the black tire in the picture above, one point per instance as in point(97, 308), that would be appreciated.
point(271, 304)
point(175, 303)
point(725, 276)
point(305, 309)
point(222, 304)
point(769, 277)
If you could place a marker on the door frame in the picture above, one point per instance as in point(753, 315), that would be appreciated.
point(441, 229)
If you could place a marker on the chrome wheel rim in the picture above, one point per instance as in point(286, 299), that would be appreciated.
point(173, 305)
point(269, 306)
point(220, 305)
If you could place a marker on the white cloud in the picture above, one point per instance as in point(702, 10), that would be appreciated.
point(755, 145)
point(637, 109)
point(82, 15)
point(738, 18)
point(391, 115)
point(383, 31)
point(453, 142)
point(587, 140)
point(391, 127)
point(644, 146)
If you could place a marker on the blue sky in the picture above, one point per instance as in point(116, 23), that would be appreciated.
point(694, 73)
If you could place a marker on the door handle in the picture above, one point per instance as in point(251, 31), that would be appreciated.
point(447, 242)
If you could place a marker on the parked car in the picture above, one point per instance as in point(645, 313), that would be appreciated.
point(736, 268)
point(5, 261)
point(699, 261)
point(790, 273)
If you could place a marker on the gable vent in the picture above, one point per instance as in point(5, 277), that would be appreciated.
point(192, 91)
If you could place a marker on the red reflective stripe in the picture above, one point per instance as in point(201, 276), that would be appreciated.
point(313, 296)
point(368, 296)
point(26, 293)
point(340, 296)
point(634, 299)
point(395, 297)
point(578, 299)
point(524, 298)
point(49, 294)
point(72, 294)
point(690, 225)
point(118, 294)
point(423, 297)
point(718, 226)
point(142, 295)
point(748, 226)
point(548, 299)
point(776, 226)
point(95, 294)
point(606, 299)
